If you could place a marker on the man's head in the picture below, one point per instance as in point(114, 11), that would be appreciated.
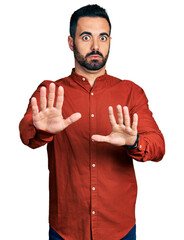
point(89, 38)
point(87, 11)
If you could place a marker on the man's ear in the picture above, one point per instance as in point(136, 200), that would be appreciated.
point(70, 42)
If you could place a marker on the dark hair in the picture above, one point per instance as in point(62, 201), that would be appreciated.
point(87, 11)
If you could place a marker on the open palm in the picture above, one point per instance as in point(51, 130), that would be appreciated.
point(122, 132)
point(49, 117)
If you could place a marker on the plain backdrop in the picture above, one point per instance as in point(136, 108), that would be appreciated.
point(148, 48)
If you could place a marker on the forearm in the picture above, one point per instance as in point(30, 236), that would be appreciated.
point(150, 147)
point(30, 136)
point(151, 144)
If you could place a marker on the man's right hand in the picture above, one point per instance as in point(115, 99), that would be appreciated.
point(49, 117)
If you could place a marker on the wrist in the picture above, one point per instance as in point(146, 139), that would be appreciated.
point(134, 145)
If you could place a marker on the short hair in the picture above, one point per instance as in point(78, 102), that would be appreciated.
point(87, 11)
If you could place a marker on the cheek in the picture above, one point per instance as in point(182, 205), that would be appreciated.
point(105, 50)
point(83, 49)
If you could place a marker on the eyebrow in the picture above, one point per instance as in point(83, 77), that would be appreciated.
point(89, 33)
point(104, 33)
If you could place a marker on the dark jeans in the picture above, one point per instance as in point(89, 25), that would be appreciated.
point(130, 236)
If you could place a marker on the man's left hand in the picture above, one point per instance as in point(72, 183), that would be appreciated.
point(123, 133)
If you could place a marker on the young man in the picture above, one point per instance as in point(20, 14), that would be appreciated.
point(90, 122)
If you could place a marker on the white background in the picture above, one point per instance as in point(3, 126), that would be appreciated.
point(147, 48)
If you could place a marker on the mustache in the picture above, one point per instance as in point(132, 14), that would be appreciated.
point(94, 53)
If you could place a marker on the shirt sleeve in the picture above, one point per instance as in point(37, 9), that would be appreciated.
point(29, 135)
point(151, 144)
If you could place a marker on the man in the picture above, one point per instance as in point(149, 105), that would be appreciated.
point(90, 122)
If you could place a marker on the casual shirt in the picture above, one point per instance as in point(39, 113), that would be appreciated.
point(93, 185)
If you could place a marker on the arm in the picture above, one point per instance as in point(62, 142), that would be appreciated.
point(43, 118)
point(150, 145)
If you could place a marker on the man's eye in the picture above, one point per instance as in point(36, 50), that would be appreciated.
point(103, 38)
point(86, 38)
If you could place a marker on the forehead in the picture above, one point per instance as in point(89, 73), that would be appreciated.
point(92, 24)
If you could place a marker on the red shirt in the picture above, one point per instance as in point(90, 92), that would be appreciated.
point(92, 185)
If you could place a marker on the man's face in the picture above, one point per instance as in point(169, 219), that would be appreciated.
point(92, 42)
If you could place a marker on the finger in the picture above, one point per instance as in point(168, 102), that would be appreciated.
point(126, 116)
point(60, 98)
point(73, 118)
point(120, 114)
point(111, 117)
point(43, 101)
point(135, 122)
point(100, 138)
point(51, 95)
point(34, 106)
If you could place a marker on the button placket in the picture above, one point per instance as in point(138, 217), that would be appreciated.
point(93, 168)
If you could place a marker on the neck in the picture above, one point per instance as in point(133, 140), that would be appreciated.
point(90, 75)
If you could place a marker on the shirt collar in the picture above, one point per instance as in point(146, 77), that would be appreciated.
point(83, 81)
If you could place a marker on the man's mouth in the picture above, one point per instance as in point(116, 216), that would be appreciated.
point(95, 56)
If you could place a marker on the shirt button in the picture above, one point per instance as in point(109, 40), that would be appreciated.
point(93, 212)
point(93, 165)
point(140, 146)
point(92, 115)
point(83, 79)
point(93, 188)
point(92, 93)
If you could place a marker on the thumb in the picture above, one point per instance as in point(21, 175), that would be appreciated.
point(100, 138)
point(73, 118)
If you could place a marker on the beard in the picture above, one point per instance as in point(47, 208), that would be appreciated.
point(92, 65)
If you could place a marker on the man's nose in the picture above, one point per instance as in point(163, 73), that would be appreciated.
point(95, 44)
